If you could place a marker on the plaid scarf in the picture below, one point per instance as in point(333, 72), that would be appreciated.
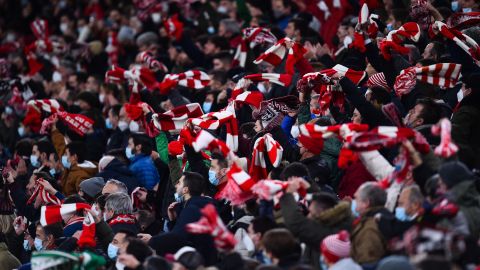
point(253, 36)
point(444, 75)
point(275, 55)
point(264, 146)
point(446, 148)
point(463, 41)
point(210, 223)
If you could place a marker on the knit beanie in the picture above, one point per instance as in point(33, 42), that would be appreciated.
point(336, 246)
point(395, 263)
point(92, 186)
point(454, 172)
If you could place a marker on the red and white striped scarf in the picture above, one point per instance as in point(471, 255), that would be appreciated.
point(237, 190)
point(145, 8)
point(122, 219)
point(174, 27)
point(463, 41)
point(460, 20)
point(274, 189)
point(210, 223)
point(264, 146)
point(113, 48)
point(205, 140)
point(275, 55)
point(45, 197)
point(195, 79)
point(56, 213)
point(175, 119)
point(140, 75)
point(446, 148)
point(76, 122)
point(136, 203)
point(87, 238)
point(252, 36)
point(152, 63)
point(402, 168)
point(276, 78)
point(387, 136)
point(214, 120)
point(393, 41)
point(444, 75)
point(241, 95)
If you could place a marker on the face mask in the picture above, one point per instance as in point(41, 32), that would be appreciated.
point(65, 162)
point(207, 106)
point(178, 197)
point(460, 95)
point(454, 6)
point(95, 210)
point(222, 10)
point(133, 126)
point(101, 98)
point(156, 17)
point(63, 27)
point(21, 131)
point(266, 259)
point(38, 243)
point(323, 265)
point(467, 10)
point(354, 209)
point(122, 125)
point(108, 124)
point(128, 153)
point(26, 245)
point(34, 161)
point(211, 30)
point(119, 265)
point(389, 27)
point(112, 251)
point(212, 178)
point(401, 215)
point(8, 110)
point(52, 172)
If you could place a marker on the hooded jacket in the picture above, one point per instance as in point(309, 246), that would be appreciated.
point(119, 171)
point(466, 196)
point(312, 232)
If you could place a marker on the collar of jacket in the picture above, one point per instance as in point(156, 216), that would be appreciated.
point(334, 215)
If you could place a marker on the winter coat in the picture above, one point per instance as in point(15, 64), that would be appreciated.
point(144, 170)
point(466, 130)
point(312, 232)
point(346, 263)
point(318, 170)
point(330, 152)
point(354, 176)
point(467, 197)
point(8, 261)
point(119, 171)
point(368, 244)
point(72, 177)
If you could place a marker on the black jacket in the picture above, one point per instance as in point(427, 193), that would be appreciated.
point(119, 171)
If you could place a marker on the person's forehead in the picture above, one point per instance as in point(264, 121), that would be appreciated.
point(120, 236)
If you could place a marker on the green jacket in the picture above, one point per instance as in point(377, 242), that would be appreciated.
point(313, 231)
point(330, 152)
point(7, 260)
point(467, 197)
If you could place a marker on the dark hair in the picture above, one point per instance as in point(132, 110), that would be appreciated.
point(155, 262)
point(219, 75)
point(128, 233)
point(138, 249)
point(24, 147)
point(295, 169)
point(431, 111)
point(75, 198)
point(324, 200)
point(220, 42)
point(195, 183)
point(381, 95)
point(276, 173)
point(115, 109)
point(79, 149)
point(47, 177)
point(281, 243)
point(223, 56)
point(300, 25)
point(56, 230)
point(263, 224)
point(438, 49)
point(145, 217)
point(191, 260)
point(144, 141)
point(45, 146)
point(222, 162)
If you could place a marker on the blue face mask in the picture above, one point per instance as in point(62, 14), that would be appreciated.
point(108, 124)
point(129, 153)
point(207, 106)
point(112, 251)
point(52, 172)
point(65, 162)
point(354, 209)
point(213, 178)
point(323, 265)
point(401, 215)
point(26, 245)
point(38, 243)
point(21, 131)
point(466, 10)
point(178, 197)
point(34, 161)
point(266, 259)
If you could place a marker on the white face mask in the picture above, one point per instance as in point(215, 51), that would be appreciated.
point(133, 126)
point(101, 98)
point(119, 265)
point(122, 125)
point(64, 27)
point(460, 95)
point(156, 17)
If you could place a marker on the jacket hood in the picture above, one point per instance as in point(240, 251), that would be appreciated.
point(88, 166)
point(337, 214)
point(465, 194)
